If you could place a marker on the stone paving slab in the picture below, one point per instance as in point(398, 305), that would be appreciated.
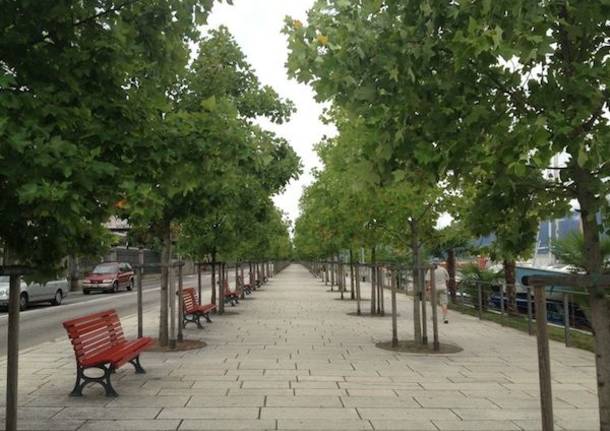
point(292, 358)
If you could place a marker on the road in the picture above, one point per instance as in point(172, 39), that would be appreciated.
point(43, 323)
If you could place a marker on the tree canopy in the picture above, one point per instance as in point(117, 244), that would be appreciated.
point(483, 95)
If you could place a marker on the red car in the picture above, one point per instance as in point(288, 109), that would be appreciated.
point(109, 277)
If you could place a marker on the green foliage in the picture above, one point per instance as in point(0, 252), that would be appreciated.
point(486, 93)
point(101, 104)
point(510, 209)
point(454, 236)
point(473, 69)
point(80, 83)
point(569, 250)
point(357, 202)
point(471, 274)
point(210, 166)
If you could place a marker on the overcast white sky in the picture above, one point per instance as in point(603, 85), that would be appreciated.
point(256, 25)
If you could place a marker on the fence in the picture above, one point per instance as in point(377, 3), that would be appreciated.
point(567, 311)
point(152, 259)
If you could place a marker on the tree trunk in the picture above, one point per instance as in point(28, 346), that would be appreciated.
point(332, 273)
point(351, 274)
point(358, 297)
point(341, 278)
point(451, 266)
point(12, 347)
point(417, 330)
point(221, 289)
point(373, 281)
point(251, 276)
point(511, 291)
point(166, 258)
point(600, 306)
point(325, 275)
point(394, 310)
point(213, 300)
point(241, 280)
point(380, 289)
point(379, 283)
point(74, 271)
point(236, 282)
point(199, 287)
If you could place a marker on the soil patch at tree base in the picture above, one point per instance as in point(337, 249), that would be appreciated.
point(411, 347)
point(378, 316)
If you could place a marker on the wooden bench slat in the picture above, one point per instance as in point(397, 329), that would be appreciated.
point(98, 341)
point(94, 334)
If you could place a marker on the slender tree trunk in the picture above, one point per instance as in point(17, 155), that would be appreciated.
point(378, 283)
point(600, 305)
point(171, 294)
point(417, 330)
point(341, 278)
point(74, 270)
point(511, 291)
point(380, 289)
point(424, 300)
point(12, 347)
point(351, 273)
point(238, 289)
point(213, 277)
point(325, 275)
point(451, 267)
point(373, 281)
point(166, 258)
point(221, 289)
point(358, 296)
point(394, 310)
point(199, 287)
point(332, 273)
point(241, 280)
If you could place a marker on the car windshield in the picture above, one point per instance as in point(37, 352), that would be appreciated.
point(4, 278)
point(106, 268)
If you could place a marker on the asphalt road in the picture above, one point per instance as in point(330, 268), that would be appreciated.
point(44, 323)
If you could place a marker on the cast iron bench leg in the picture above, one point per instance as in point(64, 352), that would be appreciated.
point(102, 380)
point(198, 321)
point(194, 318)
point(136, 364)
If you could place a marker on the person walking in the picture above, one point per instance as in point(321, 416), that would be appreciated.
point(441, 280)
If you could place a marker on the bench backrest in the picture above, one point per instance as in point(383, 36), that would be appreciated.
point(189, 299)
point(227, 289)
point(94, 333)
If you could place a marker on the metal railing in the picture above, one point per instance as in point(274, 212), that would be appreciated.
point(567, 309)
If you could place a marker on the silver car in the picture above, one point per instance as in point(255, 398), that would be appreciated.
point(52, 291)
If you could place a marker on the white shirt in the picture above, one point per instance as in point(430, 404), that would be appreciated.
point(441, 277)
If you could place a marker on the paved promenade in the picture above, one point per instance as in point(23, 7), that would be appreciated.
point(291, 358)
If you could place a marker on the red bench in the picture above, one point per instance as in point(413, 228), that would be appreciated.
point(99, 342)
point(192, 311)
point(230, 296)
point(245, 287)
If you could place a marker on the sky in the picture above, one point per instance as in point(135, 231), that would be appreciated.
point(257, 25)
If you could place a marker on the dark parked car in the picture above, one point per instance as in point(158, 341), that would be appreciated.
point(109, 277)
